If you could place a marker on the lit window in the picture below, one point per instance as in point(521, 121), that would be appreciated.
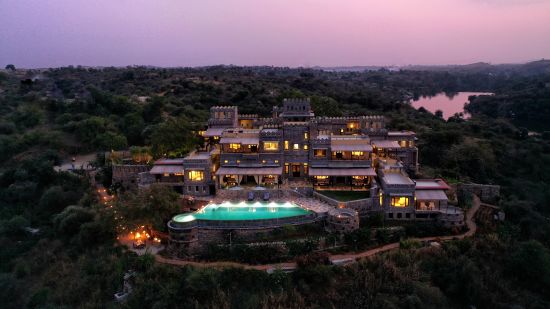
point(272, 146)
point(264, 161)
point(306, 135)
point(400, 201)
point(235, 146)
point(196, 175)
point(286, 145)
point(166, 174)
point(341, 130)
point(321, 177)
point(238, 161)
point(380, 198)
point(306, 147)
point(357, 153)
point(287, 168)
point(305, 168)
point(225, 161)
point(296, 146)
point(276, 161)
point(320, 152)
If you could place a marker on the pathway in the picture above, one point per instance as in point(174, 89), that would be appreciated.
point(336, 258)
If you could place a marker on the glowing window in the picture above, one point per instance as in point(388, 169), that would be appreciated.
point(400, 201)
point(320, 152)
point(296, 146)
point(306, 147)
point(306, 135)
point(286, 145)
point(276, 161)
point(357, 153)
point(196, 175)
point(225, 161)
point(321, 177)
point(235, 146)
point(272, 146)
point(264, 161)
point(287, 168)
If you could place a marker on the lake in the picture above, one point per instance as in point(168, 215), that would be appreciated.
point(449, 105)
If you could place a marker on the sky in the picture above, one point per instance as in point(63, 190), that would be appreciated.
point(52, 33)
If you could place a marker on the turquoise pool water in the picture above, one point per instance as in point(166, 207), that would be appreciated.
point(229, 211)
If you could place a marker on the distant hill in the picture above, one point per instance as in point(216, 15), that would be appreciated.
point(530, 68)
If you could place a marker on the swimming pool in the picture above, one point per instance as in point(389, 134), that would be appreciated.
point(243, 211)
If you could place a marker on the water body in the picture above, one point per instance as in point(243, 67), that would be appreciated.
point(244, 211)
point(448, 104)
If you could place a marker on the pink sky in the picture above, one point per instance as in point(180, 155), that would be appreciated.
point(44, 33)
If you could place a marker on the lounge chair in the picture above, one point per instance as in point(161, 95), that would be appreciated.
point(250, 196)
point(266, 196)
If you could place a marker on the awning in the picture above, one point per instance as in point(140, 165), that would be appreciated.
point(240, 140)
point(250, 170)
point(357, 147)
point(368, 171)
point(386, 144)
point(431, 195)
point(167, 169)
point(213, 132)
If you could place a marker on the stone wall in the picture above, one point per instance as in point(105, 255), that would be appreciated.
point(127, 175)
point(487, 193)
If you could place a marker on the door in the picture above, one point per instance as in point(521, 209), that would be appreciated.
point(295, 170)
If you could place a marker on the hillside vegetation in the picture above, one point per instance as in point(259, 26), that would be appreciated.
point(74, 262)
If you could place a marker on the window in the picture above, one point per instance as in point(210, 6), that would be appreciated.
point(381, 199)
point(408, 215)
point(306, 135)
point(196, 175)
point(235, 146)
point(357, 153)
point(286, 168)
point(399, 215)
point(400, 201)
point(264, 161)
point(390, 215)
point(305, 168)
point(276, 161)
point(306, 147)
point(321, 177)
point(286, 145)
point(253, 148)
point(271, 146)
point(296, 147)
point(225, 161)
point(238, 161)
point(320, 152)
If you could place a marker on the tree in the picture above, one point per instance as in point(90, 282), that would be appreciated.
point(151, 207)
point(10, 67)
point(173, 138)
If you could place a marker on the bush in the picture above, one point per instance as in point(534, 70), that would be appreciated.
point(410, 244)
point(15, 226)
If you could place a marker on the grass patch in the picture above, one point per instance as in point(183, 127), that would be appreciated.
point(346, 196)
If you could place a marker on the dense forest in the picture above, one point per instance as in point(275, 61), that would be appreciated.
point(58, 244)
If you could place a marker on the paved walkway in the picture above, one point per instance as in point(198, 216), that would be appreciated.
point(336, 258)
